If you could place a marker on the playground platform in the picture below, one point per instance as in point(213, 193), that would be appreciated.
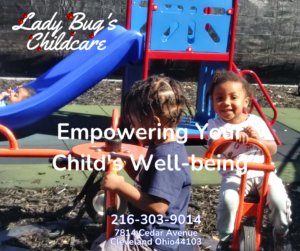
point(34, 173)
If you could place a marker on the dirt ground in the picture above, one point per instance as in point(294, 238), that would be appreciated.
point(19, 207)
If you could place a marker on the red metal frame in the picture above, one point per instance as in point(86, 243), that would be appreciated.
point(256, 105)
point(128, 17)
point(188, 56)
point(111, 198)
point(244, 72)
point(227, 57)
point(14, 150)
point(247, 209)
point(115, 119)
point(233, 29)
point(149, 24)
point(111, 202)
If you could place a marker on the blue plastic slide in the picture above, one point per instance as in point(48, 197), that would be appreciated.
point(74, 75)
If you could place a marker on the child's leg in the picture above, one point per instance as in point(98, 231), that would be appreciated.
point(278, 203)
point(229, 202)
point(121, 242)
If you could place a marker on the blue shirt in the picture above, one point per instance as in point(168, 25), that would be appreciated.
point(173, 186)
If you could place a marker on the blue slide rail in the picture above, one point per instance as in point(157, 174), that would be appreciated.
point(74, 75)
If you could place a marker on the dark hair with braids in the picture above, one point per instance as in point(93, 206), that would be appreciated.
point(157, 96)
point(222, 76)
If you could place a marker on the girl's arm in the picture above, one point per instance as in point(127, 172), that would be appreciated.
point(3, 95)
point(270, 144)
point(222, 148)
point(145, 202)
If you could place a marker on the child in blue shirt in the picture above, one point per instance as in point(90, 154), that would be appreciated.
point(11, 97)
point(160, 191)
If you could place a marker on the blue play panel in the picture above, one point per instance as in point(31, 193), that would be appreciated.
point(177, 25)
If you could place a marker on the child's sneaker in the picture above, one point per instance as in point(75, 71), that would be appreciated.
point(281, 243)
point(223, 246)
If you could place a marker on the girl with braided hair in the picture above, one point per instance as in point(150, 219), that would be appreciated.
point(230, 95)
point(155, 103)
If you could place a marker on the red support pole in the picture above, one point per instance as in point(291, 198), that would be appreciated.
point(233, 29)
point(260, 213)
point(239, 214)
point(253, 74)
point(128, 17)
point(149, 23)
point(261, 113)
point(111, 202)
point(13, 144)
point(256, 105)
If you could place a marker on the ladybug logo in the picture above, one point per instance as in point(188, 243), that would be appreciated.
point(39, 49)
point(72, 33)
point(25, 15)
point(91, 35)
point(70, 16)
point(30, 37)
point(20, 21)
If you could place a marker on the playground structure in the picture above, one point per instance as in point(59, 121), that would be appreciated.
point(244, 238)
point(190, 30)
point(179, 30)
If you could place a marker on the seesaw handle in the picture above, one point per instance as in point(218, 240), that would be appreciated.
point(210, 151)
point(115, 119)
point(111, 206)
point(13, 144)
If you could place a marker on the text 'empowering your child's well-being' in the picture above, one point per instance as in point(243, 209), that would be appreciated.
point(141, 133)
point(170, 164)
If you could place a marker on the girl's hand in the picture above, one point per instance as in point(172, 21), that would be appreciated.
point(4, 95)
point(118, 161)
point(251, 132)
point(111, 182)
point(243, 138)
point(10, 91)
